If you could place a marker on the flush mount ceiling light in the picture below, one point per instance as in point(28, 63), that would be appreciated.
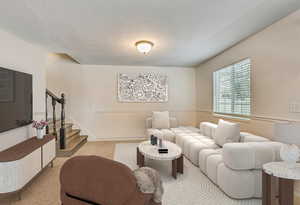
point(144, 46)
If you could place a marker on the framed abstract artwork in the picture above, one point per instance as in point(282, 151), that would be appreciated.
point(143, 87)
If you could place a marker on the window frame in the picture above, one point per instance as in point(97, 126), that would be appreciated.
point(232, 115)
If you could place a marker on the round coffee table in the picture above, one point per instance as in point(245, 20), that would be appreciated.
point(145, 149)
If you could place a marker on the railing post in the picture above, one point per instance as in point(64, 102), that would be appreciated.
point(62, 128)
point(54, 117)
point(47, 127)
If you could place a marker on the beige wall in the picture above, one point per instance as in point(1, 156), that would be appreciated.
point(63, 76)
point(92, 98)
point(275, 56)
point(20, 55)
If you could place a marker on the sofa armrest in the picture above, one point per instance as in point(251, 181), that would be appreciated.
point(250, 155)
point(248, 137)
point(208, 129)
point(173, 122)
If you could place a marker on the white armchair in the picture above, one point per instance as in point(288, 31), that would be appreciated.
point(166, 133)
point(173, 122)
point(239, 174)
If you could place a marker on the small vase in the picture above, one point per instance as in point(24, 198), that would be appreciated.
point(39, 134)
point(160, 143)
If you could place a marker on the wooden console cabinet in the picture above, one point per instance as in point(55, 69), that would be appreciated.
point(21, 163)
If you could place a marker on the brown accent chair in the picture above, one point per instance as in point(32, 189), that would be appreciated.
point(93, 180)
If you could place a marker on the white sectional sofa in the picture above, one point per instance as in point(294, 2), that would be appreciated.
point(235, 167)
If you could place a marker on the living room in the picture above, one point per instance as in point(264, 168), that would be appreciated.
point(89, 58)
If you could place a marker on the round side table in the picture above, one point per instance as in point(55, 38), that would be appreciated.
point(277, 177)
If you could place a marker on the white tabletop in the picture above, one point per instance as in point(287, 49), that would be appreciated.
point(151, 152)
point(282, 170)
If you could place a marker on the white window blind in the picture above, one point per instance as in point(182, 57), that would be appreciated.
point(232, 94)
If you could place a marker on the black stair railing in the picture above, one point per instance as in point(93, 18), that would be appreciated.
point(62, 102)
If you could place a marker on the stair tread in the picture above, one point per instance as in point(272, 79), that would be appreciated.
point(72, 133)
point(68, 125)
point(75, 142)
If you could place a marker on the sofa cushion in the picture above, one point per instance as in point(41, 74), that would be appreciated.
point(193, 129)
point(161, 120)
point(208, 129)
point(212, 164)
point(193, 148)
point(251, 155)
point(248, 137)
point(186, 145)
point(239, 184)
point(204, 154)
point(227, 132)
point(181, 138)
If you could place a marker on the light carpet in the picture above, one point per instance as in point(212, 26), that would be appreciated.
point(191, 188)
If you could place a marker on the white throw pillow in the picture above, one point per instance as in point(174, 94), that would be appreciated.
point(227, 132)
point(160, 120)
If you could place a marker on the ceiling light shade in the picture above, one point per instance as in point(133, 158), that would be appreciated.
point(144, 46)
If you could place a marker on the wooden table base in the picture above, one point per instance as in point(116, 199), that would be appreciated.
point(277, 190)
point(140, 159)
point(177, 164)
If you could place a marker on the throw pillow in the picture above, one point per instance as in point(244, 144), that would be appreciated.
point(227, 132)
point(160, 120)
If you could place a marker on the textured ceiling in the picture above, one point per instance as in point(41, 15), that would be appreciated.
point(185, 32)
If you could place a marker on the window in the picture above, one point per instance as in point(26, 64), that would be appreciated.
point(232, 93)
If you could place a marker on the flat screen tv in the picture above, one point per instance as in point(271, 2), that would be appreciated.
point(15, 99)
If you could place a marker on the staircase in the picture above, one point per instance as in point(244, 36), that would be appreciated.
point(68, 139)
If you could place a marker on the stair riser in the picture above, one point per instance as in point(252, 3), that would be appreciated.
point(69, 151)
point(71, 138)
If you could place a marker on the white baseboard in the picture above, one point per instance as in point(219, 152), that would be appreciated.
point(117, 139)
